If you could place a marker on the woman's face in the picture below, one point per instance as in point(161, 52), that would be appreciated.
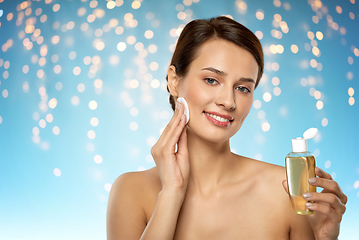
point(219, 89)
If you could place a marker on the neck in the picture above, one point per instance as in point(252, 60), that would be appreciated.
point(210, 164)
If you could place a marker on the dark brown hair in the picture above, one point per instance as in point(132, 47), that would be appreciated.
point(197, 32)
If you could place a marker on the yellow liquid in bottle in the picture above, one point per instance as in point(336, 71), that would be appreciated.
point(299, 170)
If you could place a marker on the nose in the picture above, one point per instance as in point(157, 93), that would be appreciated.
point(225, 98)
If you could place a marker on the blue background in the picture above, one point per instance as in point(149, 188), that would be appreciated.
point(55, 179)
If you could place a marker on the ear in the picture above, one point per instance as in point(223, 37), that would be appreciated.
point(173, 81)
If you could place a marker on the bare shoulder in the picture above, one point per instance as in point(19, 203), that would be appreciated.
point(141, 186)
point(137, 181)
point(266, 171)
point(131, 195)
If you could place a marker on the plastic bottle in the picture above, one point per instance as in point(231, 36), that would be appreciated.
point(300, 166)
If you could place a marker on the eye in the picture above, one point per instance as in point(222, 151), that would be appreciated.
point(243, 89)
point(211, 81)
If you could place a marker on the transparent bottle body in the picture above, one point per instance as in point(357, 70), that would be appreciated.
point(299, 168)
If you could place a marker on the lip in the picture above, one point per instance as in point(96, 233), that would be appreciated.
point(216, 122)
point(220, 115)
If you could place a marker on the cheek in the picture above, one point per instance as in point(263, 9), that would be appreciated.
point(195, 95)
point(244, 104)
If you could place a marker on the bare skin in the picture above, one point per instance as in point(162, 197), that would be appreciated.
point(203, 190)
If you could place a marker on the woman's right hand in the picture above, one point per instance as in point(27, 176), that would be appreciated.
point(173, 167)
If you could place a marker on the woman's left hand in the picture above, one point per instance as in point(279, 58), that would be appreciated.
point(328, 208)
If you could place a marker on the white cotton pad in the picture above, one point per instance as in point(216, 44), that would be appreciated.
point(186, 109)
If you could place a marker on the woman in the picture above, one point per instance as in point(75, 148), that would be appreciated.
point(202, 190)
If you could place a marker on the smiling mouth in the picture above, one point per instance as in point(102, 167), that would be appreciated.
point(223, 120)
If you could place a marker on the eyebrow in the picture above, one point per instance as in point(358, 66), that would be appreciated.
point(219, 72)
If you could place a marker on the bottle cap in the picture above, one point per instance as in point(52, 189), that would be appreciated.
point(300, 144)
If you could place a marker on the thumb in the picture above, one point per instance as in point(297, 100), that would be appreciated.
point(285, 186)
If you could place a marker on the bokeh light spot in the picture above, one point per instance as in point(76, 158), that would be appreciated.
point(136, 5)
point(98, 159)
point(81, 87)
point(121, 46)
point(57, 172)
point(131, 40)
point(42, 123)
point(339, 9)
point(153, 66)
point(152, 48)
point(133, 126)
point(111, 4)
point(75, 100)
point(49, 118)
point(155, 83)
point(317, 94)
point(134, 83)
point(107, 187)
point(257, 104)
point(265, 126)
point(92, 104)
point(25, 87)
point(91, 134)
point(351, 91)
point(277, 91)
point(56, 130)
point(267, 96)
point(275, 81)
point(76, 71)
point(356, 184)
point(56, 7)
point(351, 101)
point(327, 164)
point(319, 35)
point(58, 86)
point(259, 34)
point(275, 66)
point(148, 34)
point(94, 121)
point(53, 103)
point(36, 131)
point(319, 105)
point(325, 122)
point(57, 69)
point(260, 14)
point(98, 83)
point(350, 75)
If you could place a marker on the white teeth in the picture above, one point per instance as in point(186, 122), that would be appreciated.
point(218, 118)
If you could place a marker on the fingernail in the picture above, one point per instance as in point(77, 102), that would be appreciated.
point(312, 180)
point(307, 195)
point(320, 170)
point(308, 204)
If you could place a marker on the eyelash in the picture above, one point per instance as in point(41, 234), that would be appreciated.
point(210, 79)
point(246, 90)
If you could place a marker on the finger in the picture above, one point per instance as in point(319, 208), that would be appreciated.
point(325, 209)
point(329, 186)
point(285, 186)
point(175, 136)
point(182, 142)
point(322, 174)
point(328, 198)
point(172, 125)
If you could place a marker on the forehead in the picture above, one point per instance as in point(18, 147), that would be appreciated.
point(226, 56)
